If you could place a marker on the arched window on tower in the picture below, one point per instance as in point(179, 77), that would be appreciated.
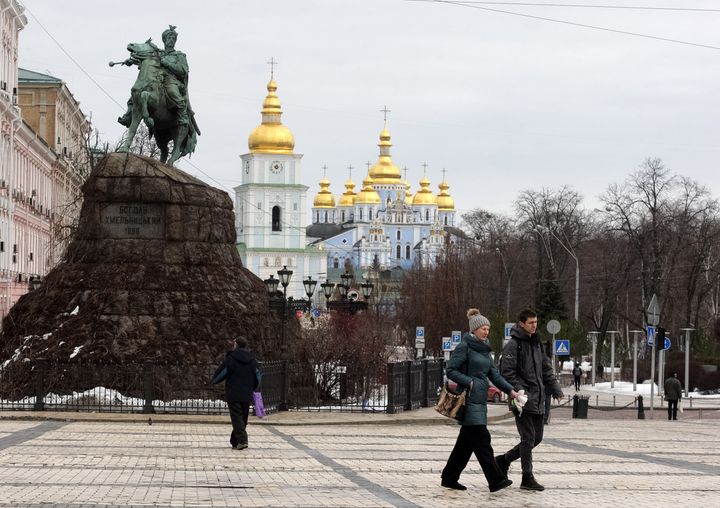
point(407, 252)
point(397, 252)
point(427, 215)
point(370, 214)
point(446, 220)
point(276, 218)
point(343, 216)
point(360, 214)
point(325, 216)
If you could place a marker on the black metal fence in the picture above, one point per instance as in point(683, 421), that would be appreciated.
point(182, 389)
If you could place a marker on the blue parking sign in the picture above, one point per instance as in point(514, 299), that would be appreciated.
point(419, 332)
point(456, 336)
point(447, 345)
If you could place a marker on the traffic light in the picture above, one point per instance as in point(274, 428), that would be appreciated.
point(660, 338)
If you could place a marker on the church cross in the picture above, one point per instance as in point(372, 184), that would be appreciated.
point(385, 111)
point(405, 170)
point(424, 165)
point(324, 168)
point(272, 63)
point(350, 168)
point(443, 172)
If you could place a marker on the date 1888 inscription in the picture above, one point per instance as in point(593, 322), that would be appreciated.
point(133, 220)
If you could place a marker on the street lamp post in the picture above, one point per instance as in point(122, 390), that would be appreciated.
point(635, 356)
point(593, 337)
point(687, 357)
point(346, 304)
point(283, 305)
point(612, 357)
point(507, 292)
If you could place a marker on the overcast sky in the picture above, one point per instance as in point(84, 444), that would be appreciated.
point(503, 102)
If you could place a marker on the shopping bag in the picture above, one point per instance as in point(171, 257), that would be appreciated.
point(680, 405)
point(258, 404)
point(451, 404)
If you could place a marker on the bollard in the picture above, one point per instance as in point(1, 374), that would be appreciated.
point(641, 410)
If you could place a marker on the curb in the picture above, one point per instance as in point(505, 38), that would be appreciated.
point(282, 420)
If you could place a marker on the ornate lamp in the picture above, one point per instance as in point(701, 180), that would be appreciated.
point(367, 289)
point(285, 276)
point(271, 284)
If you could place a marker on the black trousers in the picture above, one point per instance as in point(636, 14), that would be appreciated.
point(472, 439)
point(239, 412)
point(672, 409)
point(577, 383)
point(530, 427)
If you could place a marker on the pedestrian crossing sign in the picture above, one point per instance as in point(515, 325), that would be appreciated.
point(562, 347)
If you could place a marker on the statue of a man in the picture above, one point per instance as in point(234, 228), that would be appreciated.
point(174, 79)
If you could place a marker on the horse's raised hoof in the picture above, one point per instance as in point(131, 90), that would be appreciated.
point(149, 122)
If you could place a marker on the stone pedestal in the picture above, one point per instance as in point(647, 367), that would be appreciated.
point(152, 276)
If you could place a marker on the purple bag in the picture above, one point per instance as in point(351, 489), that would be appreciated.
point(258, 404)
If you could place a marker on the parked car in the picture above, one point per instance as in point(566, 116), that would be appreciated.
point(495, 394)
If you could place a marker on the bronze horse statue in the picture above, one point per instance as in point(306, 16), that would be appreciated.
point(149, 103)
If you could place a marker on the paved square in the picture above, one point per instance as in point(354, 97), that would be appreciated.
point(591, 463)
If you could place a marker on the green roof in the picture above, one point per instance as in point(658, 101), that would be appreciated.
point(26, 76)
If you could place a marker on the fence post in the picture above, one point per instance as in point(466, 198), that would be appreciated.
point(40, 386)
point(641, 409)
point(148, 388)
point(424, 402)
point(390, 409)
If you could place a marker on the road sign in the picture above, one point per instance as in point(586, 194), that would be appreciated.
point(667, 343)
point(419, 331)
point(653, 311)
point(650, 336)
point(562, 347)
point(553, 326)
point(508, 327)
point(447, 344)
point(315, 312)
point(456, 336)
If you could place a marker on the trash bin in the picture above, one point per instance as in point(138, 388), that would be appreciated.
point(580, 406)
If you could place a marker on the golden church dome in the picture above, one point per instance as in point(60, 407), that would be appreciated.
point(324, 198)
point(368, 195)
point(271, 136)
point(424, 196)
point(384, 171)
point(348, 197)
point(444, 201)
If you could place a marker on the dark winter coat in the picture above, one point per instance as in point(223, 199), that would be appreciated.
point(673, 389)
point(525, 366)
point(577, 372)
point(471, 363)
point(241, 375)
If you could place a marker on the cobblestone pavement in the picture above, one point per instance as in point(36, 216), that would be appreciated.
point(594, 463)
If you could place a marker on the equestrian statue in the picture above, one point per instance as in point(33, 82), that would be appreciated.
point(159, 98)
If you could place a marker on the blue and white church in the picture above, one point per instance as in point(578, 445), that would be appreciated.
point(383, 228)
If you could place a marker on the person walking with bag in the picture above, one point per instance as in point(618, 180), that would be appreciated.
point(526, 367)
point(470, 366)
point(240, 373)
point(673, 393)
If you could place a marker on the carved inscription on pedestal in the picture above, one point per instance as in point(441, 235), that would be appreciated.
point(133, 220)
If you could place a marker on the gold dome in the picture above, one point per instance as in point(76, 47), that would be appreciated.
point(408, 194)
point(271, 136)
point(368, 195)
point(384, 171)
point(444, 201)
point(348, 197)
point(424, 196)
point(324, 198)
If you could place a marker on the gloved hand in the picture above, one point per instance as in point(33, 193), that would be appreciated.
point(520, 401)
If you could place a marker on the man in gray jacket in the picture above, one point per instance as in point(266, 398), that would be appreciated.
point(525, 366)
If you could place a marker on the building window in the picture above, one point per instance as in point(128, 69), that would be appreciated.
point(427, 214)
point(361, 214)
point(343, 216)
point(398, 235)
point(336, 263)
point(407, 252)
point(276, 219)
point(397, 252)
point(295, 207)
point(446, 220)
point(369, 214)
point(325, 216)
point(2, 246)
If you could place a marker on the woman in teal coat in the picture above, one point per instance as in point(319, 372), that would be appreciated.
point(470, 366)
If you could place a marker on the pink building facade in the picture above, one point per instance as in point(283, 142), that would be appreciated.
point(39, 183)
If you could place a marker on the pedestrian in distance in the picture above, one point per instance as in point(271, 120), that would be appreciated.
point(471, 366)
point(240, 372)
point(577, 375)
point(526, 366)
point(673, 393)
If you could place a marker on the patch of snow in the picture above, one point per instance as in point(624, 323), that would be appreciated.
point(76, 351)
point(46, 336)
point(75, 311)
